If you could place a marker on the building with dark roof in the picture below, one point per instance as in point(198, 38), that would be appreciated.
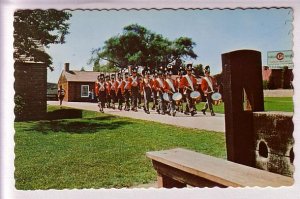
point(77, 84)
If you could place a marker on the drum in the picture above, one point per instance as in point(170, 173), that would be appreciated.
point(177, 97)
point(166, 97)
point(216, 98)
point(195, 95)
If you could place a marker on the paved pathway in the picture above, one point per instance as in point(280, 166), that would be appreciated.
point(279, 93)
point(199, 121)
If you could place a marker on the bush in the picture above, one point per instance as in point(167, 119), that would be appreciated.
point(265, 84)
point(19, 107)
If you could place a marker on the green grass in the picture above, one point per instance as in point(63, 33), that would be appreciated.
point(279, 104)
point(271, 104)
point(95, 150)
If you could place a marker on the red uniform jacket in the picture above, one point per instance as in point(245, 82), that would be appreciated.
point(185, 83)
point(100, 87)
point(121, 85)
point(114, 86)
point(157, 85)
point(178, 81)
point(146, 83)
point(134, 81)
point(127, 85)
point(96, 88)
point(108, 87)
point(152, 82)
point(205, 87)
point(167, 87)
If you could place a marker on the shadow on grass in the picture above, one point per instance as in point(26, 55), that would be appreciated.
point(64, 114)
point(83, 126)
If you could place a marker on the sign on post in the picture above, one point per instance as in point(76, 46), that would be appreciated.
point(280, 59)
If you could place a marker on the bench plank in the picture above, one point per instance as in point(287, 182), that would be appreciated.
point(217, 170)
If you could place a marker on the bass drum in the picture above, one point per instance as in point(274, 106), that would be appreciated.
point(216, 98)
point(195, 95)
point(166, 97)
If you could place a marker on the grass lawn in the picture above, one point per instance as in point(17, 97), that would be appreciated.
point(94, 150)
point(271, 104)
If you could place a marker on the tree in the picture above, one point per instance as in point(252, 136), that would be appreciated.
point(199, 70)
point(140, 46)
point(35, 29)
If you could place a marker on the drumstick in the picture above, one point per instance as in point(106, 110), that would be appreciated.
point(188, 88)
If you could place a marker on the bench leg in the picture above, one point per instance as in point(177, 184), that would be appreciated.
point(167, 182)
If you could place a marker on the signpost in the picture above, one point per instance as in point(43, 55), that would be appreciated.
point(280, 59)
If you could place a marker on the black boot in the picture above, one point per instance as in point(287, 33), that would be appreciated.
point(203, 111)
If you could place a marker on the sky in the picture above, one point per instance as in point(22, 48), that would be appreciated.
point(214, 31)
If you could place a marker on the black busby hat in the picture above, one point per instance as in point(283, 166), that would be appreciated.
point(119, 75)
point(206, 69)
point(126, 74)
point(101, 76)
point(134, 70)
point(189, 67)
point(107, 77)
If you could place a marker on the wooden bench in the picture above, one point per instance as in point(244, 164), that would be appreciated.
point(180, 167)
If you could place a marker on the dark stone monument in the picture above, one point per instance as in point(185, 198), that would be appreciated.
point(242, 82)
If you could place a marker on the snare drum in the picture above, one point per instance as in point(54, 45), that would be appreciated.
point(166, 97)
point(177, 96)
point(195, 95)
point(216, 98)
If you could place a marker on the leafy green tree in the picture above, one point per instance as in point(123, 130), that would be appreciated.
point(140, 46)
point(199, 70)
point(35, 29)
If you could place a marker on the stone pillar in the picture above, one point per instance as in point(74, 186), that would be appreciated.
point(242, 81)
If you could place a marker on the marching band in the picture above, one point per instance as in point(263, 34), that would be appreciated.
point(167, 93)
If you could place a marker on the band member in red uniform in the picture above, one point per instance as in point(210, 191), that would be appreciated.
point(146, 88)
point(189, 83)
point(108, 88)
point(140, 95)
point(127, 92)
point(208, 86)
point(159, 85)
point(113, 90)
point(154, 92)
point(120, 91)
point(134, 80)
point(181, 73)
point(101, 92)
point(170, 87)
point(96, 87)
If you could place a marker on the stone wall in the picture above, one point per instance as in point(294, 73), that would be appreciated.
point(273, 141)
point(30, 91)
